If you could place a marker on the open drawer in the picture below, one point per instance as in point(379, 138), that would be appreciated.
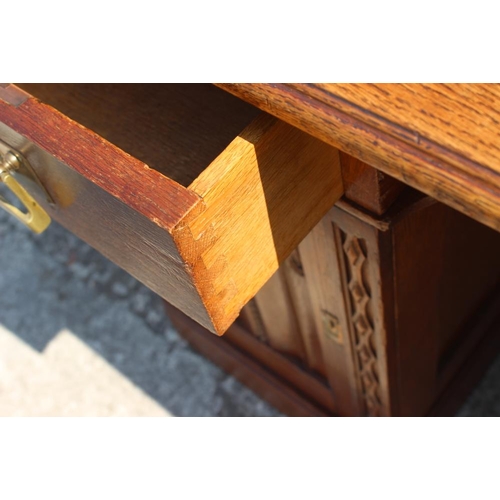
point(192, 191)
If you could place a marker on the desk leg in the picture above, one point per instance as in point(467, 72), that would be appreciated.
point(372, 315)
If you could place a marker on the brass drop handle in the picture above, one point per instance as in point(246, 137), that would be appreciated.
point(35, 216)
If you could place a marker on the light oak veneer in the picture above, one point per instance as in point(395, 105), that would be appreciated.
point(442, 139)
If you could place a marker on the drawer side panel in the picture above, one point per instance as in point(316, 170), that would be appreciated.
point(128, 238)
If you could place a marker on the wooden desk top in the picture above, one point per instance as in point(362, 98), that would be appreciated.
point(442, 139)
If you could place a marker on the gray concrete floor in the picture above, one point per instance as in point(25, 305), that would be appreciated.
point(79, 336)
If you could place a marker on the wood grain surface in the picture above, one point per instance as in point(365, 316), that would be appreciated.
point(225, 234)
point(367, 186)
point(175, 129)
point(445, 266)
point(290, 390)
point(101, 162)
point(130, 237)
point(289, 368)
point(278, 316)
point(261, 197)
point(296, 287)
point(441, 139)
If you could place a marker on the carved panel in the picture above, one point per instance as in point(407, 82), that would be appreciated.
point(281, 315)
point(252, 320)
point(363, 333)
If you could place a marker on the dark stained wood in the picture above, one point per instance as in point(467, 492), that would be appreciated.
point(367, 186)
point(294, 277)
point(400, 307)
point(177, 129)
point(267, 384)
point(278, 316)
point(252, 322)
point(121, 233)
point(436, 267)
point(235, 360)
point(294, 373)
point(418, 256)
point(473, 360)
point(440, 139)
point(469, 338)
point(319, 252)
point(121, 175)
point(281, 315)
point(445, 266)
point(359, 284)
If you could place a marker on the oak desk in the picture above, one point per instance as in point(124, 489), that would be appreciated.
point(355, 230)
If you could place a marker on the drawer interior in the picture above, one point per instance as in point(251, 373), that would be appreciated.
point(194, 192)
point(176, 129)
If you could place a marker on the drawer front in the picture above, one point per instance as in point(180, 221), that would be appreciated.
point(206, 248)
point(127, 231)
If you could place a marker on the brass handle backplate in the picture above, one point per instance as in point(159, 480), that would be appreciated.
point(13, 165)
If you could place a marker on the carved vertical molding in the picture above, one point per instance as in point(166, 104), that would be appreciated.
point(255, 319)
point(361, 321)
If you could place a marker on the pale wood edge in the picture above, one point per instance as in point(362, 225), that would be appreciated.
point(261, 197)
